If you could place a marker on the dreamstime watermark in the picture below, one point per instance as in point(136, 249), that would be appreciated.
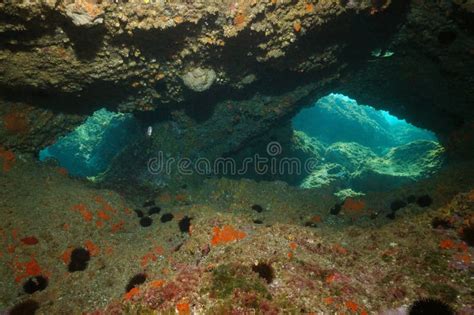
point(271, 164)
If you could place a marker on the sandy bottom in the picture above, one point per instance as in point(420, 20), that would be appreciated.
point(251, 247)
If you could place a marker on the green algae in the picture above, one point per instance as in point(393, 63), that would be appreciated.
point(227, 278)
point(443, 291)
point(436, 262)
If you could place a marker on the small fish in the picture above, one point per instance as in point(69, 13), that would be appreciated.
point(149, 131)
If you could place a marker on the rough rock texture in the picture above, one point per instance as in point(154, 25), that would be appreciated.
point(232, 127)
point(353, 122)
point(428, 80)
point(73, 57)
point(350, 165)
point(351, 155)
point(467, 5)
point(327, 256)
point(199, 79)
point(401, 165)
point(28, 128)
point(327, 174)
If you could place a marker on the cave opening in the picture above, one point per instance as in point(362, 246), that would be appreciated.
point(338, 118)
point(343, 146)
point(360, 148)
point(334, 144)
point(89, 148)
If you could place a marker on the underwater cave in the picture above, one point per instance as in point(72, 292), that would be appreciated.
point(361, 148)
point(89, 148)
point(236, 157)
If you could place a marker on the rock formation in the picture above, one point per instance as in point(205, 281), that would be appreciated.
point(230, 71)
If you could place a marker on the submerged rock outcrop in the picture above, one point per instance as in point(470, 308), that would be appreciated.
point(350, 165)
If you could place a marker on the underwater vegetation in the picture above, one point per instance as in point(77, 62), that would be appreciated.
point(227, 278)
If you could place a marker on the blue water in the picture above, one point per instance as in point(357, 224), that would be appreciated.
point(338, 118)
point(89, 149)
point(392, 120)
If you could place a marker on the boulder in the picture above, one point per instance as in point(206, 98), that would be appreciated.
point(326, 175)
point(404, 164)
point(83, 13)
point(350, 155)
point(199, 79)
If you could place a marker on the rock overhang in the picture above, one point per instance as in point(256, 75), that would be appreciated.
point(133, 56)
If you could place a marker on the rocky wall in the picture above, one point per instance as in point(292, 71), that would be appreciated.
point(425, 73)
point(413, 58)
point(143, 56)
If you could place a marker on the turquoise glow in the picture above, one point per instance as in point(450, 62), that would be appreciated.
point(89, 149)
point(337, 117)
point(392, 120)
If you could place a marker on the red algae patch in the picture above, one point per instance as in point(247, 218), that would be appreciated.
point(27, 269)
point(30, 240)
point(353, 205)
point(157, 283)
point(183, 308)
point(82, 209)
point(226, 235)
point(8, 158)
point(151, 256)
point(118, 226)
point(339, 249)
point(104, 216)
point(446, 244)
point(66, 256)
point(130, 294)
point(16, 122)
point(63, 171)
point(239, 19)
point(92, 248)
point(147, 259)
point(297, 26)
point(352, 306)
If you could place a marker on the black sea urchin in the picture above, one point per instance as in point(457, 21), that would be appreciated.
point(468, 235)
point(79, 259)
point(185, 224)
point(424, 201)
point(430, 307)
point(265, 271)
point(26, 307)
point(136, 280)
point(146, 221)
point(166, 217)
point(38, 283)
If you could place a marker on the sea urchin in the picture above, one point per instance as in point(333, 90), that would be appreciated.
point(430, 306)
